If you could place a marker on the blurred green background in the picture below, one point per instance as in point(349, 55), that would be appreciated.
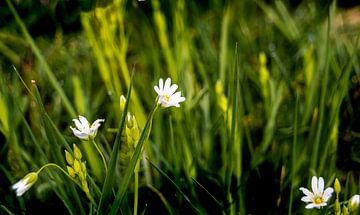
point(272, 98)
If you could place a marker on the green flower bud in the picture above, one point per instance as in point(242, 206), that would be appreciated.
point(81, 176)
point(337, 186)
point(71, 171)
point(345, 211)
point(77, 167)
point(262, 58)
point(129, 121)
point(24, 184)
point(122, 103)
point(135, 134)
point(69, 158)
point(219, 89)
point(77, 152)
point(83, 166)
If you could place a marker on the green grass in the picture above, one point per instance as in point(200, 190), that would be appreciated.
point(271, 100)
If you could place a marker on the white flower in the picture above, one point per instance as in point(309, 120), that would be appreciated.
point(83, 128)
point(354, 202)
point(318, 197)
point(166, 94)
point(24, 184)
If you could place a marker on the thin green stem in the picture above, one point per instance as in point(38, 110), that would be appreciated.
point(101, 154)
point(136, 187)
point(67, 174)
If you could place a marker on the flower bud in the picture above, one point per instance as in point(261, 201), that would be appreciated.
point(77, 166)
point(83, 167)
point(354, 202)
point(262, 58)
point(69, 158)
point(24, 184)
point(135, 134)
point(129, 121)
point(122, 103)
point(345, 211)
point(337, 186)
point(219, 89)
point(77, 152)
point(71, 171)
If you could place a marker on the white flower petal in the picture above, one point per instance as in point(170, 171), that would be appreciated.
point(327, 193)
point(84, 121)
point(82, 135)
point(167, 85)
point(314, 185)
point(306, 199)
point(78, 124)
point(161, 84)
point(323, 204)
point(312, 205)
point(321, 185)
point(307, 192)
point(172, 89)
point(20, 183)
point(157, 90)
point(97, 124)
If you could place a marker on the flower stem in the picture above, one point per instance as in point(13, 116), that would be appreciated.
point(136, 188)
point(67, 174)
point(101, 154)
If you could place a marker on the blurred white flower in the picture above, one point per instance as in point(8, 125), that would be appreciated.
point(24, 184)
point(166, 94)
point(83, 128)
point(354, 202)
point(318, 197)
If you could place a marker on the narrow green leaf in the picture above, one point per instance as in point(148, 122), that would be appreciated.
point(50, 75)
point(130, 168)
point(56, 140)
point(177, 187)
point(110, 174)
point(212, 196)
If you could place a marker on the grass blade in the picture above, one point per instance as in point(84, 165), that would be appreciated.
point(177, 187)
point(110, 174)
point(130, 168)
point(43, 64)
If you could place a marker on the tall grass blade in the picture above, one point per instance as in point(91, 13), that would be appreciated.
point(177, 187)
point(50, 75)
point(110, 174)
point(131, 166)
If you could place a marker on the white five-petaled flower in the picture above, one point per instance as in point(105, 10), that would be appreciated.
point(318, 197)
point(83, 128)
point(166, 94)
point(25, 183)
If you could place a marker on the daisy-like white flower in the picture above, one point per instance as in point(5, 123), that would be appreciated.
point(84, 130)
point(318, 197)
point(166, 94)
point(24, 184)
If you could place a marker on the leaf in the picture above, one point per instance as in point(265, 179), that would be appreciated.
point(110, 174)
point(130, 168)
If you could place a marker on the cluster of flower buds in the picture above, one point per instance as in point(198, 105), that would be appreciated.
point(352, 205)
point(130, 139)
point(76, 168)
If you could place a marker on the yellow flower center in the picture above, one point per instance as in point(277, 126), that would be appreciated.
point(166, 98)
point(318, 200)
